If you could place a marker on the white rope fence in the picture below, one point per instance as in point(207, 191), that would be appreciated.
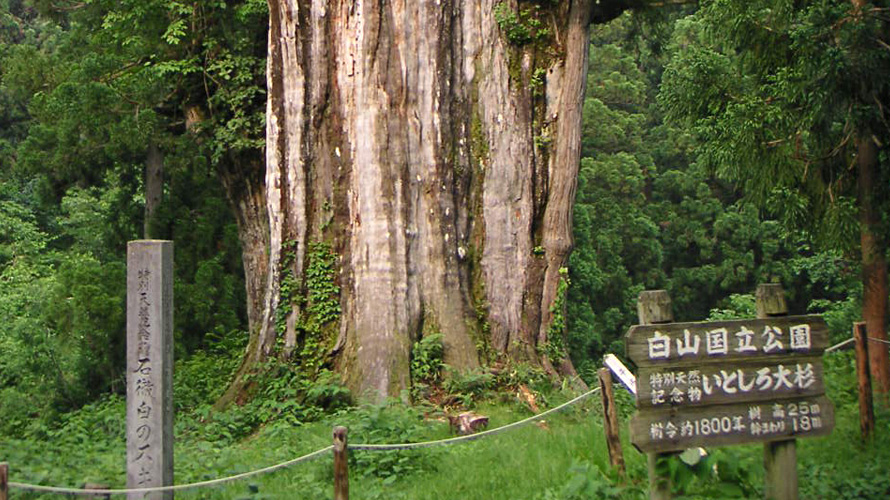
point(471, 437)
point(323, 451)
point(178, 487)
point(851, 340)
point(840, 345)
point(304, 458)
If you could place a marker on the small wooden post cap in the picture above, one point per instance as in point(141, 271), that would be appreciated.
point(654, 306)
point(340, 434)
point(770, 300)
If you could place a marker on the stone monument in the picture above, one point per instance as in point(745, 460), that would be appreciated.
point(150, 366)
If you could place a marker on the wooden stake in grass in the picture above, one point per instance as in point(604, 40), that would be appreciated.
point(654, 307)
point(610, 421)
point(866, 407)
point(779, 457)
point(4, 481)
point(341, 464)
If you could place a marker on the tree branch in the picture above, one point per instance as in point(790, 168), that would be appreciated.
point(68, 8)
point(120, 72)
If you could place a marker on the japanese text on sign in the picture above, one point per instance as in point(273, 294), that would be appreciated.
point(759, 420)
point(143, 383)
point(717, 384)
point(732, 424)
point(721, 341)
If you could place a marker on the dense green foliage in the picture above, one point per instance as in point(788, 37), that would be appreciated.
point(86, 90)
point(711, 162)
point(776, 94)
point(649, 215)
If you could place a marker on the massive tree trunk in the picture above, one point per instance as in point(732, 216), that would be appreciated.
point(433, 147)
point(874, 262)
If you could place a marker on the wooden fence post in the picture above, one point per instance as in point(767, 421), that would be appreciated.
point(341, 464)
point(4, 481)
point(610, 421)
point(653, 307)
point(779, 457)
point(866, 407)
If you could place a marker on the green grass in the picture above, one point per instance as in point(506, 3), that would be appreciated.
point(519, 463)
point(564, 459)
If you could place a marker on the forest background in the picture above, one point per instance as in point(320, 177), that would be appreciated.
point(101, 142)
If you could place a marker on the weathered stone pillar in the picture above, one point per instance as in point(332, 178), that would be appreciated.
point(150, 366)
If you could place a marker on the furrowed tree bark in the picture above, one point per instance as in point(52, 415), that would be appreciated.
point(243, 178)
point(435, 150)
point(874, 263)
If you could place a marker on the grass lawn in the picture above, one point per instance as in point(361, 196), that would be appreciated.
point(563, 458)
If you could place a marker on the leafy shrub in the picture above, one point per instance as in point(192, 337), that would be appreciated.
point(201, 378)
point(327, 393)
point(286, 394)
point(89, 441)
point(838, 315)
point(516, 374)
point(724, 473)
point(736, 306)
point(521, 28)
point(427, 358)
point(842, 466)
point(16, 413)
point(391, 423)
point(585, 481)
point(468, 386)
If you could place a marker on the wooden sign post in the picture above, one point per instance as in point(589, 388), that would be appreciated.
point(341, 464)
point(150, 366)
point(654, 308)
point(728, 382)
point(610, 421)
point(779, 457)
point(863, 377)
point(4, 481)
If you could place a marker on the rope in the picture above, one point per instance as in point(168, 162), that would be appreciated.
point(848, 341)
point(838, 346)
point(314, 454)
point(178, 487)
point(470, 437)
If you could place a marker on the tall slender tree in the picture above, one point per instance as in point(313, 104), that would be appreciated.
point(789, 98)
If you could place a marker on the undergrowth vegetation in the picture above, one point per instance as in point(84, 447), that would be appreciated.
point(562, 458)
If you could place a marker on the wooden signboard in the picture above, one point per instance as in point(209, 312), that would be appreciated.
point(728, 424)
point(728, 382)
point(736, 340)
